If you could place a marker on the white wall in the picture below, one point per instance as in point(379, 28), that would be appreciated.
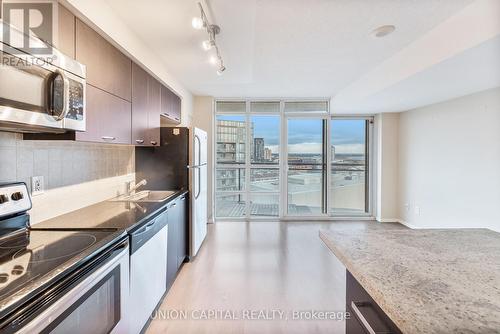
point(386, 170)
point(203, 119)
point(449, 163)
point(101, 17)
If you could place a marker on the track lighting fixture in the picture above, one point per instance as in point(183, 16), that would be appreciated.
point(207, 45)
point(197, 23)
point(212, 30)
point(213, 60)
point(221, 69)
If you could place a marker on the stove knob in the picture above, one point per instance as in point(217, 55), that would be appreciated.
point(4, 278)
point(17, 270)
point(3, 199)
point(17, 196)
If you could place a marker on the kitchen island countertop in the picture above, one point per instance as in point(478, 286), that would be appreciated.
point(426, 281)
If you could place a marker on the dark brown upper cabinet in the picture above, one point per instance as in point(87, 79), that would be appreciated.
point(65, 41)
point(108, 118)
point(154, 114)
point(124, 103)
point(146, 107)
point(107, 68)
point(170, 105)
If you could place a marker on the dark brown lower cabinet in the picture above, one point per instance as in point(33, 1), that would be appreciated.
point(366, 317)
point(178, 227)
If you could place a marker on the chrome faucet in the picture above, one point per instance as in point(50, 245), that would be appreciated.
point(130, 189)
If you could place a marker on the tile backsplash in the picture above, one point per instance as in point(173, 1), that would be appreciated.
point(61, 163)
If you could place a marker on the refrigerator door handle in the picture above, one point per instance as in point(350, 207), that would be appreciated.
point(199, 148)
point(199, 184)
point(197, 166)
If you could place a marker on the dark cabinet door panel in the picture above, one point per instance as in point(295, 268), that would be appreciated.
point(177, 237)
point(365, 315)
point(170, 105)
point(182, 250)
point(140, 106)
point(165, 101)
point(107, 68)
point(154, 103)
point(117, 121)
point(108, 118)
point(172, 246)
point(177, 108)
point(66, 32)
point(94, 100)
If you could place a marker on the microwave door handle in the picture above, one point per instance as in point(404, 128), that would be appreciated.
point(65, 110)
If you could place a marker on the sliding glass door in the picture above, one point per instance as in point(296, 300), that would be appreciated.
point(306, 172)
point(349, 180)
point(290, 159)
point(247, 170)
point(264, 175)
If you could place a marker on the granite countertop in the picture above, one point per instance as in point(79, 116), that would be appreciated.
point(126, 216)
point(426, 281)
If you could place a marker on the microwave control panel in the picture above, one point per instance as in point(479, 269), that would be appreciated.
point(75, 100)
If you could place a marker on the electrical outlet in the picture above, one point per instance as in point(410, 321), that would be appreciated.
point(37, 185)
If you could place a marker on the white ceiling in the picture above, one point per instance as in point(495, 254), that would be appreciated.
point(289, 48)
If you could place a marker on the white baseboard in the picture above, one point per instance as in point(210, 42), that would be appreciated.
point(388, 220)
point(397, 220)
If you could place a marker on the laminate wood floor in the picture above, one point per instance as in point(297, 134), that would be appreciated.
point(246, 271)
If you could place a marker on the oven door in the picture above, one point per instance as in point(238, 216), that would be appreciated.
point(98, 304)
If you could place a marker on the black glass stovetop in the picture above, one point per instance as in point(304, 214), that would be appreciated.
point(32, 254)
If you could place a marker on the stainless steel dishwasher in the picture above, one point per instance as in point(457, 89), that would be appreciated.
point(148, 270)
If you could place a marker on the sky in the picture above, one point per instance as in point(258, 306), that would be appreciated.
point(305, 135)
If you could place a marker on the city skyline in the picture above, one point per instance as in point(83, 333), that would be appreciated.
point(305, 136)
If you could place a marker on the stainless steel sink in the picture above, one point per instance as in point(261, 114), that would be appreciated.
point(145, 196)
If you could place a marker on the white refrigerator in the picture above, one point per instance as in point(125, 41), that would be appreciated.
point(198, 189)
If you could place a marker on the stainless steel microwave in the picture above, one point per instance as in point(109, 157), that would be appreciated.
point(39, 93)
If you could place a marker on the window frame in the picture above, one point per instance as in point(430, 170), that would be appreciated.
point(282, 167)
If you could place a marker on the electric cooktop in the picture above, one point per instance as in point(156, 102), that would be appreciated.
point(30, 258)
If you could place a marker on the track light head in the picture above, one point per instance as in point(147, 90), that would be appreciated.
point(213, 60)
point(197, 23)
point(221, 70)
point(207, 45)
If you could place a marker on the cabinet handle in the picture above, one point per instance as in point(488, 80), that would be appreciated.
point(108, 138)
point(139, 141)
point(364, 322)
point(183, 198)
point(154, 142)
point(177, 119)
